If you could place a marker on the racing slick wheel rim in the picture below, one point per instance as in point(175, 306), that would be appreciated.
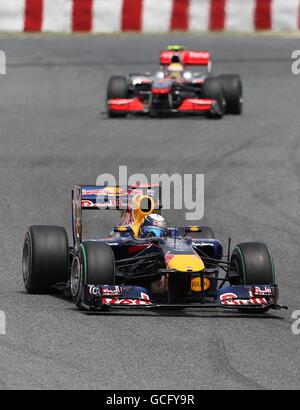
point(76, 276)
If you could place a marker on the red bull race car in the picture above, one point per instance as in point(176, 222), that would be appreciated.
point(176, 89)
point(143, 263)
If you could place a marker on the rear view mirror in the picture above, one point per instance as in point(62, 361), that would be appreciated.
point(189, 229)
point(123, 229)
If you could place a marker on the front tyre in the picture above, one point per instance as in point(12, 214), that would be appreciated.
point(45, 259)
point(117, 88)
point(233, 93)
point(252, 264)
point(93, 264)
point(213, 89)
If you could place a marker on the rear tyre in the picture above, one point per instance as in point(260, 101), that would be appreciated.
point(45, 259)
point(233, 93)
point(252, 264)
point(93, 264)
point(213, 89)
point(117, 88)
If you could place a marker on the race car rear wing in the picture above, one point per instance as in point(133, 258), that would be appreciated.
point(200, 58)
point(91, 197)
point(117, 197)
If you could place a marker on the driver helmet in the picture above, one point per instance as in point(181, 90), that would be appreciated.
point(175, 68)
point(154, 225)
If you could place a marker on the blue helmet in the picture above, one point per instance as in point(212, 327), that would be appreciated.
point(154, 225)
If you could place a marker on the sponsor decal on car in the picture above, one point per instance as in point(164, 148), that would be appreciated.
point(94, 290)
point(201, 101)
point(87, 204)
point(142, 300)
point(203, 244)
point(196, 284)
point(107, 191)
point(112, 203)
point(262, 292)
point(111, 292)
point(120, 101)
point(132, 302)
point(231, 299)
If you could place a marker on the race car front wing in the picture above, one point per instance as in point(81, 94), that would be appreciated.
point(244, 297)
point(188, 106)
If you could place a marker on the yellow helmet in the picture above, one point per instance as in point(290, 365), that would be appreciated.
point(175, 70)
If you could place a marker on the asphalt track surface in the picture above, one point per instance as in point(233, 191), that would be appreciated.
point(53, 136)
